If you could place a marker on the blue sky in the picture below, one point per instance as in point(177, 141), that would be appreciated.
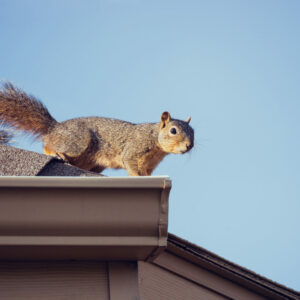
point(234, 66)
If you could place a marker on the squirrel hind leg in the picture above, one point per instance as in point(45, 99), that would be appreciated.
point(76, 147)
point(71, 138)
point(49, 151)
point(58, 155)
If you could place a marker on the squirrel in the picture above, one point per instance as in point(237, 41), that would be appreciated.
point(97, 143)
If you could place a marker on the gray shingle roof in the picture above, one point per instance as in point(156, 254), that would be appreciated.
point(18, 162)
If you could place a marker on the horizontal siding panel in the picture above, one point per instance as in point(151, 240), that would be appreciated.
point(53, 281)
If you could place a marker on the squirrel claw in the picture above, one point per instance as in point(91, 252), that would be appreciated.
point(60, 156)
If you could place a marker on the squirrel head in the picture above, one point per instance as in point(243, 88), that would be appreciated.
point(175, 136)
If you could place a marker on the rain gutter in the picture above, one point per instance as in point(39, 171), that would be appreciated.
point(103, 218)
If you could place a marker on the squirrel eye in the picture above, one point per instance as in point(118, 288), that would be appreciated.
point(173, 130)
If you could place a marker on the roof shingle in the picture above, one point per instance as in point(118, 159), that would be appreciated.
point(18, 162)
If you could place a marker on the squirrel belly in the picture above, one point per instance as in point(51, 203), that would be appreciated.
point(97, 143)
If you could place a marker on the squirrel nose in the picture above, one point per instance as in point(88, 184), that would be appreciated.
point(189, 146)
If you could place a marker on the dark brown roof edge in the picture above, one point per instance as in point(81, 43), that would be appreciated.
point(222, 264)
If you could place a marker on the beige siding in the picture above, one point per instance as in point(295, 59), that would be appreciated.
point(53, 281)
point(160, 284)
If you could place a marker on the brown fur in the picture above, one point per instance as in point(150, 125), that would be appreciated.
point(96, 143)
point(35, 116)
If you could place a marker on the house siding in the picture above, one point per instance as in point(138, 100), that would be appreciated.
point(160, 284)
point(188, 276)
point(53, 280)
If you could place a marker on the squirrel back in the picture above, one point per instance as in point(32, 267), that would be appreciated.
point(96, 143)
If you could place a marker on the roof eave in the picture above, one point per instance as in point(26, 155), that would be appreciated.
point(83, 218)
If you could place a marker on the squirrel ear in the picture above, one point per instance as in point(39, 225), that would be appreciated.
point(164, 119)
point(188, 120)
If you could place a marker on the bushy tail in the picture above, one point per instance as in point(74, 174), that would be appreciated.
point(24, 112)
